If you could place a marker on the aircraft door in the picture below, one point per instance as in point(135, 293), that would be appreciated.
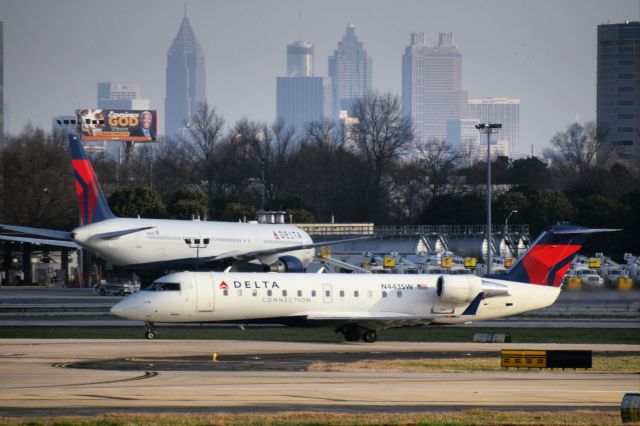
point(204, 292)
point(327, 293)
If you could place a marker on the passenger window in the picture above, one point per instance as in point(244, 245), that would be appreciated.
point(284, 293)
point(384, 294)
point(225, 292)
point(327, 293)
point(299, 293)
point(269, 293)
point(239, 292)
point(399, 294)
point(341, 293)
point(369, 293)
point(254, 292)
point(355, 293)
point(313, 293)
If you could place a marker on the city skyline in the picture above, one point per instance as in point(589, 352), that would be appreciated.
point(53, 57)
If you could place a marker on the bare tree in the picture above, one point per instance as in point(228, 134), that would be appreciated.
point(382, 135)
point(438, 161)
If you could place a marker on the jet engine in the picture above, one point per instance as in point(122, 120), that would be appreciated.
point(287, 264)
point(458, 289)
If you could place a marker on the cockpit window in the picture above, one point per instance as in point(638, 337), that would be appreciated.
point(163, 286)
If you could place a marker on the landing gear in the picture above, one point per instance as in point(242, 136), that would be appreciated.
point(353, 333)
point(149, 331)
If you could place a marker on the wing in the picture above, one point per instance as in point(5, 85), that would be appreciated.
point(41, 241)
point(258, 253)
point(39, 236)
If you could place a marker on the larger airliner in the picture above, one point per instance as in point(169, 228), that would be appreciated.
point(161, 245)
point(358, 305)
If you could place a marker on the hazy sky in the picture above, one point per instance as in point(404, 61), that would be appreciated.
point(541, 51)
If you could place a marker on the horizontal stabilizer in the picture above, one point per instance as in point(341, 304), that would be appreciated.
point(472, 309)
point(41, 232)
point(115, 234)
point(578, 230)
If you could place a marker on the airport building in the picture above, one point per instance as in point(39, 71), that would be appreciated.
point(300, 95)
point(618, 90)
point(185, 79)
point(350, 72)
point(432, 91)
point(500, 110)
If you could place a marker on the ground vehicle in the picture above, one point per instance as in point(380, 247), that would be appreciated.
point(588, 278)
point(116, 287)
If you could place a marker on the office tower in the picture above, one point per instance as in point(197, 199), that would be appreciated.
point(349, 71)
point(300, 96)
point(1, 83)
point(300, 59)
point(432, 91)
point(121, 96)
point(618, 90)
point(185, 79)
point(500, 110)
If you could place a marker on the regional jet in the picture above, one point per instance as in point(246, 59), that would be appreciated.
point(358, 305)
point(152, 245)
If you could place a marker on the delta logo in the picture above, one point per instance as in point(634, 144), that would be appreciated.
point(223, 286)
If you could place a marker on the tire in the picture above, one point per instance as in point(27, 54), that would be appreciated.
point(150, 335)
point(370, 336)
point(351, 334)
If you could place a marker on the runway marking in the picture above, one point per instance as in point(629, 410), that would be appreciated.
point(123, 398)
point(146, 375)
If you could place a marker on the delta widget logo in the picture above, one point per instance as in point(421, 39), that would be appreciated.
point(223, 286)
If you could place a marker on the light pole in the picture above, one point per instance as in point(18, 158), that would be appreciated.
point(506, 222)
point(488, 129)
point(197, 244)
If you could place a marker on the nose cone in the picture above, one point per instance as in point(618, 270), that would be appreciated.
point(125, 308)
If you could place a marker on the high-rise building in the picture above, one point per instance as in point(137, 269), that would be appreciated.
point(120, 96)
point(500, 110)
point(300, 96)
point(618, 89)
point(432, 91)
point(185, 79)
point(1, 83)
point(349, 71)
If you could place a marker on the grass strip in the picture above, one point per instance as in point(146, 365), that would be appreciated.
point(467, 417)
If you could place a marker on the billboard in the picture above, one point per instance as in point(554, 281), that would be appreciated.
point(117, 125)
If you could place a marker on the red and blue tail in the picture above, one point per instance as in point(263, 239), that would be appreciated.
point(550, 255)
point(93, 205)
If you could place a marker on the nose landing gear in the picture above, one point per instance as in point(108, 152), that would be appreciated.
point(353, 333)
point(149, 331)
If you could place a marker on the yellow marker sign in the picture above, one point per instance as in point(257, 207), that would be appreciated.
point(523, 358)
point(446, 262)
point(594, 263)
point(389, 262)
point(508, 262)
point(470, 262)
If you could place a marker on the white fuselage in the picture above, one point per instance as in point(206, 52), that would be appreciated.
point(180, 243)
point(383, 300)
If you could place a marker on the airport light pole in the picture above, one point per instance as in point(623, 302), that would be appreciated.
point(488, 129)
point(197, 244)
point(506, 222)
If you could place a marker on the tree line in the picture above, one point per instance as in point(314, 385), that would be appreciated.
point(369, 171)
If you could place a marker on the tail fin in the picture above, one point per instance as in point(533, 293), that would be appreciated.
point(93, 205)
point(550, 255)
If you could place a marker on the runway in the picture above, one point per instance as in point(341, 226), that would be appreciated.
point(36, 380)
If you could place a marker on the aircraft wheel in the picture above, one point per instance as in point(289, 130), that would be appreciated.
point(150, 335)
point(352, 334)
point(370, 336)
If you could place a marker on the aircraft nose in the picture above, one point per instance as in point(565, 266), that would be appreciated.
point(122, 309)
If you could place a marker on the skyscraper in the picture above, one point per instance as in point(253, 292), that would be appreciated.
point(300, 96)
point(120, 96)
point(349, 71)
point(500, 110)
point(618, 89)
point(432, 91)
point(185, 79)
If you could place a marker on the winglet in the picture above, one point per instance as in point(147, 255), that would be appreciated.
point(473, 306)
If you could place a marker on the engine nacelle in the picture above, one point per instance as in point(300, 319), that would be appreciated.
point(287, 264)
point(458, 289)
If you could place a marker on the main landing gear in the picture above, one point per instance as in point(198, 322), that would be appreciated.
point(353, 333)
point(149, 331)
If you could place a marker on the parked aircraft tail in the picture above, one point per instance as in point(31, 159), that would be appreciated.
point(91, 200)
point(549, 257)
